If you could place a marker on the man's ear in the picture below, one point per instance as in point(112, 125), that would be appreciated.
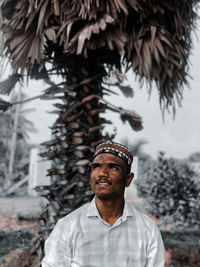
point(129, 179)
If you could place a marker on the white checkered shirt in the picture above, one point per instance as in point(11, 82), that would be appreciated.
point(84, 239)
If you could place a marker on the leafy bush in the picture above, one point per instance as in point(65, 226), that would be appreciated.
point(171, 193)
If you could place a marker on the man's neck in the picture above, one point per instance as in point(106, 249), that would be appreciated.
point(110, 209)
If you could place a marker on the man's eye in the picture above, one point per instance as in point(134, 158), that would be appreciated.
point(114, 167)
point(94, 166)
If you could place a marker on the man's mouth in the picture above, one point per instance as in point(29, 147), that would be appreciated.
point(103, 183)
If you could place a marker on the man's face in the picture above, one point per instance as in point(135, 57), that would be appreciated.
point(109, 176)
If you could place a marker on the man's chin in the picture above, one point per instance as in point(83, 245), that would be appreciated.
point(104, 196)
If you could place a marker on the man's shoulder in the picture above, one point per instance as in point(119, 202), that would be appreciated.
point(76, 214)
point(68, 223)
point(141, 217)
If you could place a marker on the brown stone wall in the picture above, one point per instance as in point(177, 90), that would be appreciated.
point(18, 242)
point(20, 245)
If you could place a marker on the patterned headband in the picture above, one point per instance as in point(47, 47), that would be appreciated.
point(115, 148)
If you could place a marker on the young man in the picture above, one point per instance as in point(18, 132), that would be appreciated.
point(108, 231)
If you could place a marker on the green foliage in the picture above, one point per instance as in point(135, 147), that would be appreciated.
point(169, 188)
point(195, 157)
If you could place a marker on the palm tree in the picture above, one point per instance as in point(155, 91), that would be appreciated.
point(86, 42)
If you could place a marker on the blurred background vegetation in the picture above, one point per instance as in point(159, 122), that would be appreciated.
point(22, 146)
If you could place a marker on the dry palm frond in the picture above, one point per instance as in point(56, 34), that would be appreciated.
point(85, 34)
point(25, 48)
point(120, 76)
point(140, 32)
point(126, 90)
point(8, 85)
point(134, 119)
point(4, 105)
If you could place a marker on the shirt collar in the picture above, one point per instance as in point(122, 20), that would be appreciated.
point(92, 210)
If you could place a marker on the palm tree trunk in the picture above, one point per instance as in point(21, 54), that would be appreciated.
point(75, 133)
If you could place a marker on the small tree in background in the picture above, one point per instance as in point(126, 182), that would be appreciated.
point(170, 192)
point(195, 157)
point(21, 160)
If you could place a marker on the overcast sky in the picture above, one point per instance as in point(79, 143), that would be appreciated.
point(177, 138)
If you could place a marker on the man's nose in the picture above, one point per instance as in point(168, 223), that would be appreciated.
point(103, 172)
